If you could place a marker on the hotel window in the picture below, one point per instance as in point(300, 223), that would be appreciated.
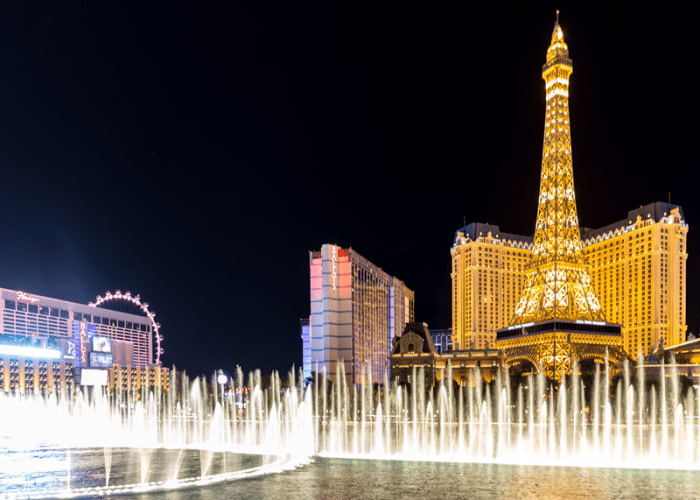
point(21, 306)
point(9, 304)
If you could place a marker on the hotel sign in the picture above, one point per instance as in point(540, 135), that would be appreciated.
point(100, 360)
point(83, 333)
point(334, 267)
point(25, 297)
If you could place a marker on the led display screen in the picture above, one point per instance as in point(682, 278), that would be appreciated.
point(100, 360)
point(93, 377)
point(101, 344)
point(29, 352)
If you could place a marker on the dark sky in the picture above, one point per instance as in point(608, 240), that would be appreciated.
point(195, 153)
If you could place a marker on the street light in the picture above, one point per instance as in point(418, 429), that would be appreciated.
point(222, 379)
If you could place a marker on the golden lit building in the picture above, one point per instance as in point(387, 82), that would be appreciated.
point(487, 279)
point(34, 375)
point(545, 300)
point(136, 378)
point(43, 373)
point(637, 268)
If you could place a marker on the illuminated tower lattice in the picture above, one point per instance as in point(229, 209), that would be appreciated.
point(558, 284)
point(558, 317)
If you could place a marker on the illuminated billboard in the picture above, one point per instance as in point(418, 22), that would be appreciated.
point(101, 344)
point(93, 377)
point(29, 352)
point(68, 348)
point(100, 360)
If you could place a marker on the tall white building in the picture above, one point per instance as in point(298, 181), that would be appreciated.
point(305, 330)
point(356, 310)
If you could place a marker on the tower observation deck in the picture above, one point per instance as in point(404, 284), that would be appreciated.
point(558, 318)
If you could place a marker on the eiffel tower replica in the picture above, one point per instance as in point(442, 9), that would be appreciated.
point(558, 319)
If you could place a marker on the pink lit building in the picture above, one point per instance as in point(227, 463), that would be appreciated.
point(356, 310)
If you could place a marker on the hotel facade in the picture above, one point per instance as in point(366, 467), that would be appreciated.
point(356, 311)
point(637, 269)
point(44, 340)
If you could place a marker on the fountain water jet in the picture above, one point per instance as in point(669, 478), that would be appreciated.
point(540, 423)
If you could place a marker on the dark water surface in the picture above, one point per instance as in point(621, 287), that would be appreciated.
point(333, 478)
point(330, 478)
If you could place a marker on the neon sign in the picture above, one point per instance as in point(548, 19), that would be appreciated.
point(334, 267)
point(83, 342)
point(83, 334)
point(25, 297)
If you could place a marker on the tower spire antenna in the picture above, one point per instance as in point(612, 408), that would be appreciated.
point(556, 23)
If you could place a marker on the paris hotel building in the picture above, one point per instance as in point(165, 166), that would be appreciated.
point(637, 266)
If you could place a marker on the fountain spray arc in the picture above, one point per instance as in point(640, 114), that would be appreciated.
point(275, 424)
point(598, 421)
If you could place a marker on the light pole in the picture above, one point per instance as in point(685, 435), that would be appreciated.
point(222, 379)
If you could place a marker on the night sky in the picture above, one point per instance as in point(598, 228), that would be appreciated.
point(195, 154)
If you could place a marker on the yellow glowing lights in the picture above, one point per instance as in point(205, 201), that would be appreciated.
point(556, 92)
point(557, 284)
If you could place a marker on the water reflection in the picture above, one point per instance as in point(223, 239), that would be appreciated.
point(42, 470)
point(332, 478)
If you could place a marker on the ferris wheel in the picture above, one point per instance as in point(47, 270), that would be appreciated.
point(125, 302)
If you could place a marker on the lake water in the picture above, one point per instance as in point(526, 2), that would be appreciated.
point(340, 478)
point(332, 478)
